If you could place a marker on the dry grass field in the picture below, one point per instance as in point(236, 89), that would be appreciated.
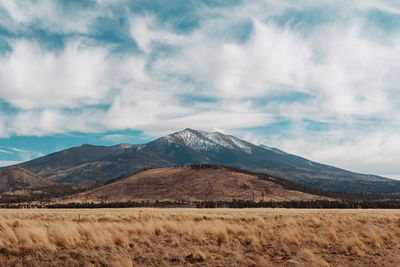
point(215, 237)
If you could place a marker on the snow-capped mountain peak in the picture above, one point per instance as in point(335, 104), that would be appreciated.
point(207, 141)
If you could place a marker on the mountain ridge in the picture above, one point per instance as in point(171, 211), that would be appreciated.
point(196, 147)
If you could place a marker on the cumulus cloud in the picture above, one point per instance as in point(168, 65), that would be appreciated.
point(360, 151)
point(33, 78)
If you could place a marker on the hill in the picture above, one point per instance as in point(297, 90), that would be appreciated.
point(193, 147)
point(194, 183)
point(19, 185)
point(14, 178)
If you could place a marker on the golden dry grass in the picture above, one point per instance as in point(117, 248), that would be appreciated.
point(219, 237)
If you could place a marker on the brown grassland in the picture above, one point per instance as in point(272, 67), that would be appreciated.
point(199, 237)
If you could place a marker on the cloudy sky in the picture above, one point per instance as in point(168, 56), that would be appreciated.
point(317, 78)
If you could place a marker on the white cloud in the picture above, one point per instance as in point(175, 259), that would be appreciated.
point(32, 78)
point(6, 151)
point(372, 152)
point(53, 121)
point(4, 163)
point(145, 30)
point(350, 80)
point(207, 121)
point(25, 11)
point(253, 138)
point(48, 15)
point(116, 137)
point(18, 149)
point(392, 176)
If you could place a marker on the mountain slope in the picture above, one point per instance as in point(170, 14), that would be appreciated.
point(195, 184)
point(94, 162)
point(191, 147)
point(15, 178)
point(19, 185)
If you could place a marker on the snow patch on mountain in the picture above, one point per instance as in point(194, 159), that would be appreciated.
point(126, 146)
point(140, 147)
point(196, 141)
point(169, 139)
point(273, 149)
point(207, 141)
point(242, 145)
point(217, 138)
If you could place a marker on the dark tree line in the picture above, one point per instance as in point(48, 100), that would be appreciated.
point(235, 203)
point(312, 204)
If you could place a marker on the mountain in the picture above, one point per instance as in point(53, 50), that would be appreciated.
point(194, 183)
point(94, 162)
point(190, 147)
point(14, 178)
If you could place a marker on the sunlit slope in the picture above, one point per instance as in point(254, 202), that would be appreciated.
point(195, 184)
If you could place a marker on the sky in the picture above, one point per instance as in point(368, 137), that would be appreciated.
point(319, 79)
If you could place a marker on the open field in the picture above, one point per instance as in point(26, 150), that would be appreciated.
point(202, 237)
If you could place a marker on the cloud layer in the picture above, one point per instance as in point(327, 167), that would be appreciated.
point(324, 75)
